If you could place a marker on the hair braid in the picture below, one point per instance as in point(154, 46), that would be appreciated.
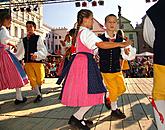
point(83, 13)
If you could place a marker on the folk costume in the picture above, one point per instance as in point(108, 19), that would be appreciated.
point(110, 68)
point(154, 29)
point(83, 84)
point(34, 68)
point(12, 74)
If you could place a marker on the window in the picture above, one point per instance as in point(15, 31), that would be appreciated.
point(55, 37)
point(22, 33)
point(38, 24)
point(16, 32)
point(59, 37)
point(48, 44)
point(56, 47)
point(131, 36)
point(33, 19)
point(28, 17)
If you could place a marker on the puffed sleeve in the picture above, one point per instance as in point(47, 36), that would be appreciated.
point(41, 50)
point(89, 39)
point(149, 32)
point(20, 51)
point(5, 36)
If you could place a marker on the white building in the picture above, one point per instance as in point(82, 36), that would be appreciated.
point(20, 15)
point(52, 40)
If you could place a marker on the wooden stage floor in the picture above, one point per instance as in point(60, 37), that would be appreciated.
point(50, 114)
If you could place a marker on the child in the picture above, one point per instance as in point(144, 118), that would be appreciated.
point(12, 74)
point(83, 85)
point(110, 66)
point(33, 50)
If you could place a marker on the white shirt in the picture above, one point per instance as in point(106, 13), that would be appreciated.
point(4, 35)
point(132, 53)
point(41, 50)
point(89, 38)
point(149, 31)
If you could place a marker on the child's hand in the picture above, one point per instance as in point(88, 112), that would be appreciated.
point(127, 51)
point(33, 56)
point(15, 49)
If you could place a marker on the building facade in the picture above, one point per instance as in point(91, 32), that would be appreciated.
point(143, 46)
point(21, 13)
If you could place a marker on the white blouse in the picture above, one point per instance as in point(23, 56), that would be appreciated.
point(89, 38)
point(4, 35)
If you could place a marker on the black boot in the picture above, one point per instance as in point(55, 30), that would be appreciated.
point(20, 101)
point(118, 114)
point(38, 99)
point(78, 123)
point(88, 122)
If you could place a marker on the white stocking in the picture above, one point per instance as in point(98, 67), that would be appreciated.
point(81, 112)
point(37, 90)
point(114, 105)
point(18, 94)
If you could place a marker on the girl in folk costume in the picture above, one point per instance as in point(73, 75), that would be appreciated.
point(12, 74)
point(83, 85)
point(69, 50)
point(154, 30)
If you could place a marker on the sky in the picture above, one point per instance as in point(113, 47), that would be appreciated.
point(64, 14)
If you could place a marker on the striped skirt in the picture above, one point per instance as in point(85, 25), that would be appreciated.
point(12, 74)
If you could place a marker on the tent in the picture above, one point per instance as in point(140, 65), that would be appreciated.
point(145, 54)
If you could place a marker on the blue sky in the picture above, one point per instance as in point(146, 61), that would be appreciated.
point(64, 14)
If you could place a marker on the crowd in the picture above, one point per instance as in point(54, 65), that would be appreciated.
point(140, 67)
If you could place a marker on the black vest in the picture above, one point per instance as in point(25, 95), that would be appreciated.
point(30, 46)
point(109, 58)
point(158, 19)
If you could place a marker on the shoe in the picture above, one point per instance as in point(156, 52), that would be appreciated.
point(107, 103)
point(38, 99)
point(118, 114)
point(88, 122)
point(78, 123)
point(16, 102)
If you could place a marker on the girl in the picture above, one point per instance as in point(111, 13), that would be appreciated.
point(12, 74)
point(83, 85)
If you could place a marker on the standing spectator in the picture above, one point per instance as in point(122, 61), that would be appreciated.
point(33, 50)
point(12, 74)
point(154, 30)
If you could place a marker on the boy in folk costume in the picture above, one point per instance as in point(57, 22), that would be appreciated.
point(110, 66)
point(83, 85)
point(12, 74)
point(154, 32)
point(33, 50)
